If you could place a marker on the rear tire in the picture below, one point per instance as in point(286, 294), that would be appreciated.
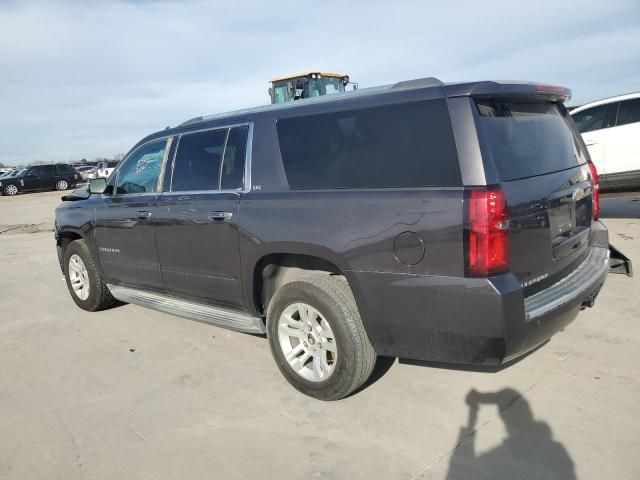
point(10, 190)
point(82, 275)
point(317, 338)
point(62, 185)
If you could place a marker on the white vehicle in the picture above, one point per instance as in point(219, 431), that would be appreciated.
point(611, 130)
point(104, 169)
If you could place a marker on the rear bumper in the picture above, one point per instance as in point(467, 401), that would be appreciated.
point(473, 320)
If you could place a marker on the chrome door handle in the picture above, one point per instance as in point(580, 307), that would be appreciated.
point(142, 214)
point(220, 216)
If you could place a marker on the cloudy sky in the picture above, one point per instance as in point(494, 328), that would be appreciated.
point(90, 78)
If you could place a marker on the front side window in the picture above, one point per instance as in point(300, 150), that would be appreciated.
point(402, 145)
point(629, 111)
point(140, 172)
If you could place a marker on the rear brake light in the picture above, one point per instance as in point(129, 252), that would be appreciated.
point(596, 190)
point(487, 232)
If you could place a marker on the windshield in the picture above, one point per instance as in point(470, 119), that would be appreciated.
point(528, 139)
point(323, 86)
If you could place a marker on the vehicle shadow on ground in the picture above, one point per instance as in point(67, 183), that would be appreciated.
point(529, 450)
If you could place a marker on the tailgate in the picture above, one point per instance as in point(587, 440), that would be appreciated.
point(541, 164)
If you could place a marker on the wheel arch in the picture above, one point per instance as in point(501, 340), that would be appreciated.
point(276, 267)
point(67, 235)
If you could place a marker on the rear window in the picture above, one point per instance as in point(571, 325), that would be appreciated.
point(402, 145)
point(528, 139)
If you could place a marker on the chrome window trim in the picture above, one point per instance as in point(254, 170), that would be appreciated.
point(224, 153)
point(246, 188)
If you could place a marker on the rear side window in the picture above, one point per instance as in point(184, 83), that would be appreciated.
point(629, 111)
point(528, 139)
point(65, 169)
point(402, 145)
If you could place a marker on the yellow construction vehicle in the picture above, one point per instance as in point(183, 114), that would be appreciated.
point(307, 85)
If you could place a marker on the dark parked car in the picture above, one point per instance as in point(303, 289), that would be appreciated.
point(41, 177)
point(441, 222)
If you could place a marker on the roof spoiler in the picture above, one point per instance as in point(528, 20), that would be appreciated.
point(509, 89)
point(418, 83)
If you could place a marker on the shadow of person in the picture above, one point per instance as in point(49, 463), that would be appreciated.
point(528, 452)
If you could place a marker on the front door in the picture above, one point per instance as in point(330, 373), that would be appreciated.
point(125, 228)
point(33, 179)
point(197, 231)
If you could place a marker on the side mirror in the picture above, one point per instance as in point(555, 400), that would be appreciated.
point(97, 185)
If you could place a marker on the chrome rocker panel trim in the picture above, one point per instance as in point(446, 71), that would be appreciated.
point(582, 281)
point(220, 317)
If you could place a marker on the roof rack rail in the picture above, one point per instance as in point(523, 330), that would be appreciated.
point(418, 83)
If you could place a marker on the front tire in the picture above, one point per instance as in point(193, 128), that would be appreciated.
point(62, 185)
point(85, 284)
point(10, 190)
point(317, 338)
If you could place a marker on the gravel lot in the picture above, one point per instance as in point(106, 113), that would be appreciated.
point(130, 393)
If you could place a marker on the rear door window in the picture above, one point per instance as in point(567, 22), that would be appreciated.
point(596, 118)
point(210, 160)
point(528, 139)
point(401, 145)
point(629, 111)
point(232, 173)
point(198, 160)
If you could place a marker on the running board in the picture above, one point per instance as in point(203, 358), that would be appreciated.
point(220, 317)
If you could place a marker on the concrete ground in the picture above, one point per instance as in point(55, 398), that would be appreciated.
point(129, 393)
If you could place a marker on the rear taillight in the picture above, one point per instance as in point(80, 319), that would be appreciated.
point(487, 232)
point(596, 190)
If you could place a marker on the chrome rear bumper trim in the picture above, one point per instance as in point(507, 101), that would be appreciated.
point(582, 281)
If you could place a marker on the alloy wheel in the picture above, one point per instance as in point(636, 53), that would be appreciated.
point(307, 342)
point(79, 277)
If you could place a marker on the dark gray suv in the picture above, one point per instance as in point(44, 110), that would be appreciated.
point(442, 222)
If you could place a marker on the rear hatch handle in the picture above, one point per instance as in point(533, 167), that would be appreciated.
point(619, 263)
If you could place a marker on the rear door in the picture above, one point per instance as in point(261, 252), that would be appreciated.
point(197, 233)
point(541, 166)
point(124, 229)
point(48, 179)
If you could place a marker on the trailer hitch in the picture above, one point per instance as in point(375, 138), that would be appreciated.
point(618, 262)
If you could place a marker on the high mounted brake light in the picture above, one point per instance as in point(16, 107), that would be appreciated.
point(596, 190)
point(487, 232)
